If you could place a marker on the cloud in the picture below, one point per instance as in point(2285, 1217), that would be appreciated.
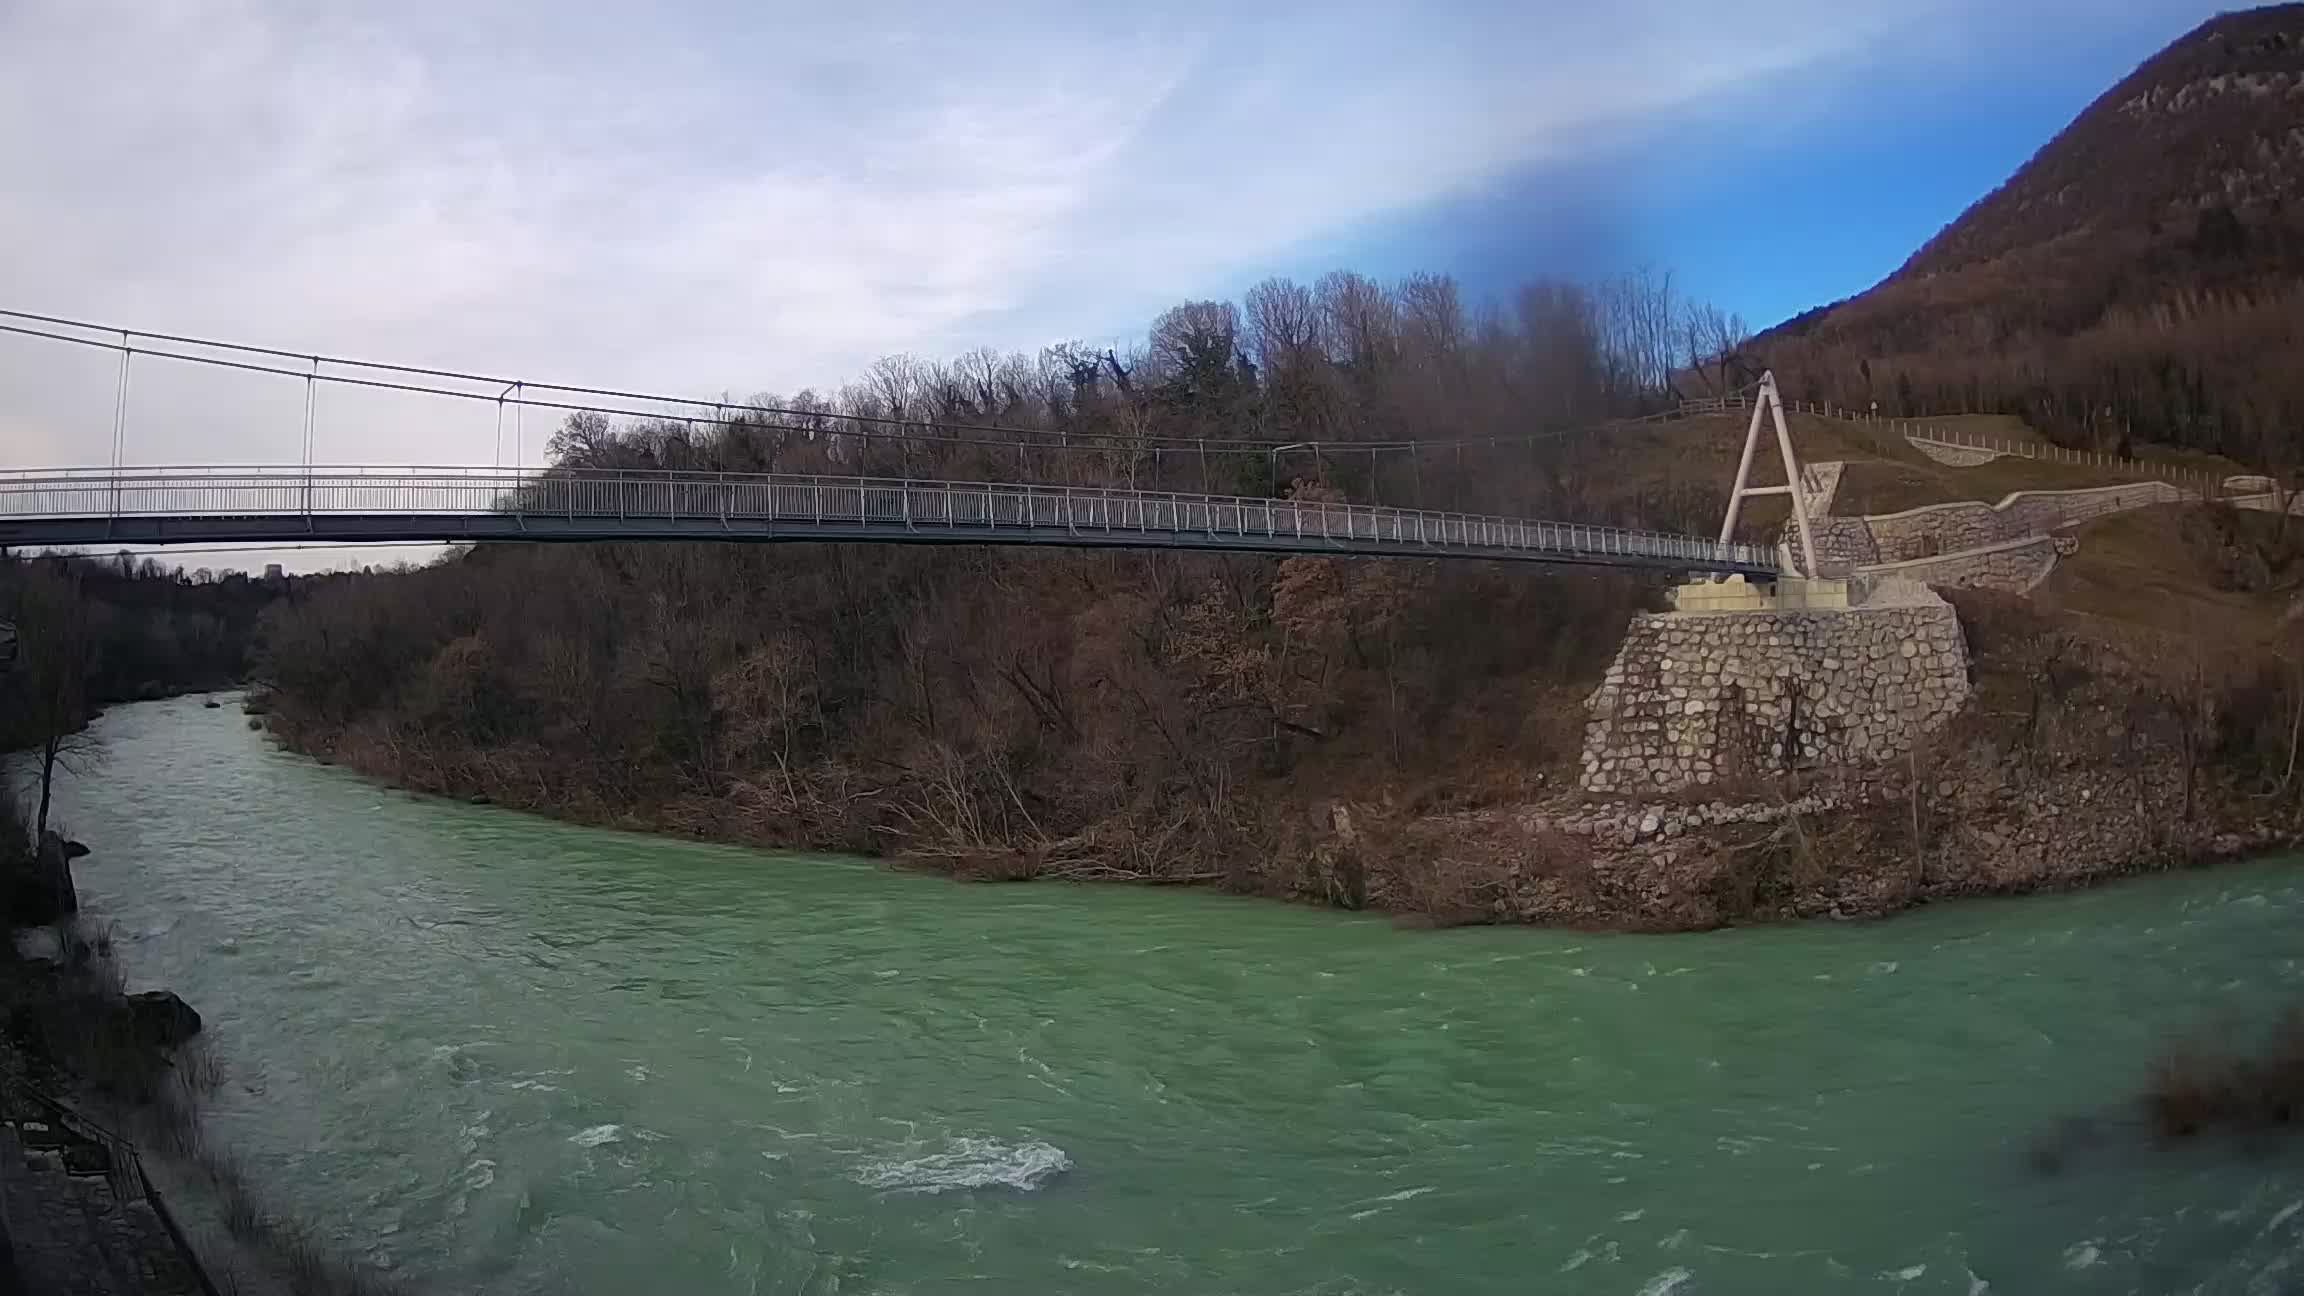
point(634, 205)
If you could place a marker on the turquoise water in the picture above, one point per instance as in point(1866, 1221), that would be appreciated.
point(491, 1052)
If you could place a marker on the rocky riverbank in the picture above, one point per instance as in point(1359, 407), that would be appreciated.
point(1862, 847)
point(78, 1212)
point(100, 1097)
point(2062, 770)
point(2076, 760)
point(1288, 734)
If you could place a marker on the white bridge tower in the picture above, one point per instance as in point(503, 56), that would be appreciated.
point(1766, 404)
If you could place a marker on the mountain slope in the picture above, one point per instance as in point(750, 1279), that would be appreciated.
point(2142, 277)
point(2213, 123)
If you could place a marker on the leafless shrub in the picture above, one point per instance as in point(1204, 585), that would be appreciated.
point(2197, 1089)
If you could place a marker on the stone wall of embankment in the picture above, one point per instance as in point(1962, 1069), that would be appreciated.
point(1693, 699)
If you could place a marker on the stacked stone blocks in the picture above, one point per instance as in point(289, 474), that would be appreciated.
point(1692, 699)
point(1954, 456)
point(1973, 544)
point(2014, 567)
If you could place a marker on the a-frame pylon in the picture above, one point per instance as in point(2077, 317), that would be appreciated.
point(1767, 403)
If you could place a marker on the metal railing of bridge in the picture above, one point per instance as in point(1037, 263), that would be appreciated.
point(447, 503)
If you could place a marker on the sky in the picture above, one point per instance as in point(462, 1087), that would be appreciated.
point(712, 196)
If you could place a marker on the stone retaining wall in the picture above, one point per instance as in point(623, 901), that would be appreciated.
point(1820, 486)
point(2052, 510)
point(2014, 566)
point(1843, 541)
point(1971, 543)
point(1938, 529)
point(1690, 700)
point(2270, 502)
point(1954, 456)
point(1946, 528)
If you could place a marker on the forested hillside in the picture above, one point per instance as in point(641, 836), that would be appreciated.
point(2140, 279)
point(1105, 714)
point(131, 628)
point(83, 633)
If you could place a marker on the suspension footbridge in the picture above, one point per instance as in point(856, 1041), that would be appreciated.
point(126, 504)
point(159, 506)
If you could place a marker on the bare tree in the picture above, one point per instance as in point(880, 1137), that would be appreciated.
point(56, 655)
point(1196, 340)
point(1638, 324)
point(1284, 325)
point(1358, 323)
point(1565, 368)
point(586, 439)
point(1432, 313)
point(1711, 341)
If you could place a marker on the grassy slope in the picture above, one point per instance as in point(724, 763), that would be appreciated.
point(2138, 569)
point(2148, 569)
point(1884, 475)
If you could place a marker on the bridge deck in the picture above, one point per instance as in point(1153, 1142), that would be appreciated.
point(148, 506)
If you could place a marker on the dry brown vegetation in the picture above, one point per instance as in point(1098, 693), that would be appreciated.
point(1350, 732)
point(2207, 693)
point(1043, 713)
point(2199, 1089)
point(1150, 715)
point(147, 629)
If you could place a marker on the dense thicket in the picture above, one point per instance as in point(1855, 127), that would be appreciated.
point(1145, 713)
point(1400, 393)
point(138, 629)
point(2069, 340)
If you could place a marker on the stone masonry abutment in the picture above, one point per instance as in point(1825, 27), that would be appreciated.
point(1694, 698)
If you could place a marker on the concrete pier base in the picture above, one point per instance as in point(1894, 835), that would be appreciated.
point(1786, 594)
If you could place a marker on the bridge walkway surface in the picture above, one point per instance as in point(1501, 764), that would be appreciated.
point(184, 505)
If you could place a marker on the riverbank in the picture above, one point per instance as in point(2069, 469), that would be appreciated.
point(729, 1070)
point(78, 1211)
point(100, 1107)
point(2084, 754)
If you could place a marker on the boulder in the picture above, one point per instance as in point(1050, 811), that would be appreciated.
point(211, 705)
point(40, 891)
point(160, 1018)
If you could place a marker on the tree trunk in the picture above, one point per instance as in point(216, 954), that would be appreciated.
point(1919, 855)
point(47, 782)
point(2190, 764)
point(2295, 732)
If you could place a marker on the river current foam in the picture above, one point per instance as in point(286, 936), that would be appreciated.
point(965, 1163)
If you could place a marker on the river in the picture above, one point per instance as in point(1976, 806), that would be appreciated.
point(494, 1053)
